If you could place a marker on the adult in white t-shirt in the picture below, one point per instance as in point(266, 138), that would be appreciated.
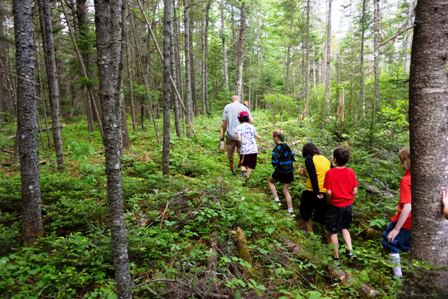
point(229, 123)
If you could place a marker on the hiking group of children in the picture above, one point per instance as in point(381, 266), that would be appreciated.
point(330, 189)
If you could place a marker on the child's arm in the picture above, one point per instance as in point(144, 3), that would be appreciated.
point(238, 137)
point(445, 203)
point(355, 191)
point(328, 195)
point(401, 220)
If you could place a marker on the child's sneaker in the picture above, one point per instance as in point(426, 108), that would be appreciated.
point(291, 215)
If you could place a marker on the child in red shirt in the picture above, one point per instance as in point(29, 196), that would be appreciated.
point(342, 186)
point(397, 236)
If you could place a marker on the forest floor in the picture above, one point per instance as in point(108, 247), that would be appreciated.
point(182, 229)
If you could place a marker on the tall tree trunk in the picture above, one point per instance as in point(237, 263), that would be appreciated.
point(307, 60)
point(5, 94)
point(187, 48)
point(205, 58)
point(27, 121)
point(174, 72)
point(428, 119)
point(376, 53)
point(83, 32)
point(52, 80)
point(408, 37)
point(167, 37)
point(328, 61)
point(361, 57)
point(109, 39)
point(192, 62)
point(224, 50)
point(240, 51)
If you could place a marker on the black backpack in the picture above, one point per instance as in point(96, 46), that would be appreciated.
point(285, 158)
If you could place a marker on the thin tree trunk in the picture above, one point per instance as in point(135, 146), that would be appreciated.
point(376, 53)
point(187, 48)
point(428, 119)
point(167, 37)
point(408, 37)
point(52, 80)
point(192, 64)
point(205, 59)
point(5, 94)
point(109, 39)
point(174, 72)
point(328, 61)
point(224, 50)
point(32, 227)
point(131, 85)
point(240, 51)
point(361, 64)
point(307, 60)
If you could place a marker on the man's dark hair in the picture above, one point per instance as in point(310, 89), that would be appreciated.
point(310, 150)
point(341, 155)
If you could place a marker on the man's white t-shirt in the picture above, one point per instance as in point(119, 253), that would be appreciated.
point(248, 143)
point(230, 114)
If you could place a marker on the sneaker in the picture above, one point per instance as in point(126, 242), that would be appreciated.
point(351, 255)
point(291, 215)
point(278, 202)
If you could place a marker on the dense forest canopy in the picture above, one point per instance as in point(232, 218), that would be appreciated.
point(112, 184)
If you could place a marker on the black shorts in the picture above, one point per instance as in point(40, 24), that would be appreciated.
point(284, 178)
point(337, 218)
point(249, 160)
point(310, 204)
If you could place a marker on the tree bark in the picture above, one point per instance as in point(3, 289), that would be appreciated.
point(428, 119)
point(187, 48)
point(109, 39)
point(224, 50)
point(27, 121)
point(167, 37)
point(328, 61)
point(205, 58)
point(52, 80)
point(240, 51)
point(307, 60)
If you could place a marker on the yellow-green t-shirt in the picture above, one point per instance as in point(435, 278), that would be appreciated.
point(322, 165)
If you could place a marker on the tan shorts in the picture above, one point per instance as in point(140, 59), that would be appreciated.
point(231, 146)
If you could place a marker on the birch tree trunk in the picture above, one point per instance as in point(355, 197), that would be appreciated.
point(167, 37)
point(187, 49)
point(328, 60)
point(428, 119)
point(109, 39)
point(376, 53)
point(240, 51)
point(32, 227)
point(52, 80)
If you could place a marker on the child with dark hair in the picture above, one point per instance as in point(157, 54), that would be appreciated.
point(313, 202)
point(342, 186)
point(282, 160)
point(246, 134)
point(397, 236)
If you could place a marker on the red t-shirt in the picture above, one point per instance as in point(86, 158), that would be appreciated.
point(341, 182)
point(405, 197)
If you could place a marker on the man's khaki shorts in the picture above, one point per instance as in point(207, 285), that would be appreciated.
point(231, 146)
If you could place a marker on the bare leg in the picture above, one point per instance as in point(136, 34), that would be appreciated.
point(248, 172)
point(272, 187)
point(333, 238)
point(347, 239)
point(287, 196)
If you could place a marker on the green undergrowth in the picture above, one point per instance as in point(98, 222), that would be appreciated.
point(182, 227)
